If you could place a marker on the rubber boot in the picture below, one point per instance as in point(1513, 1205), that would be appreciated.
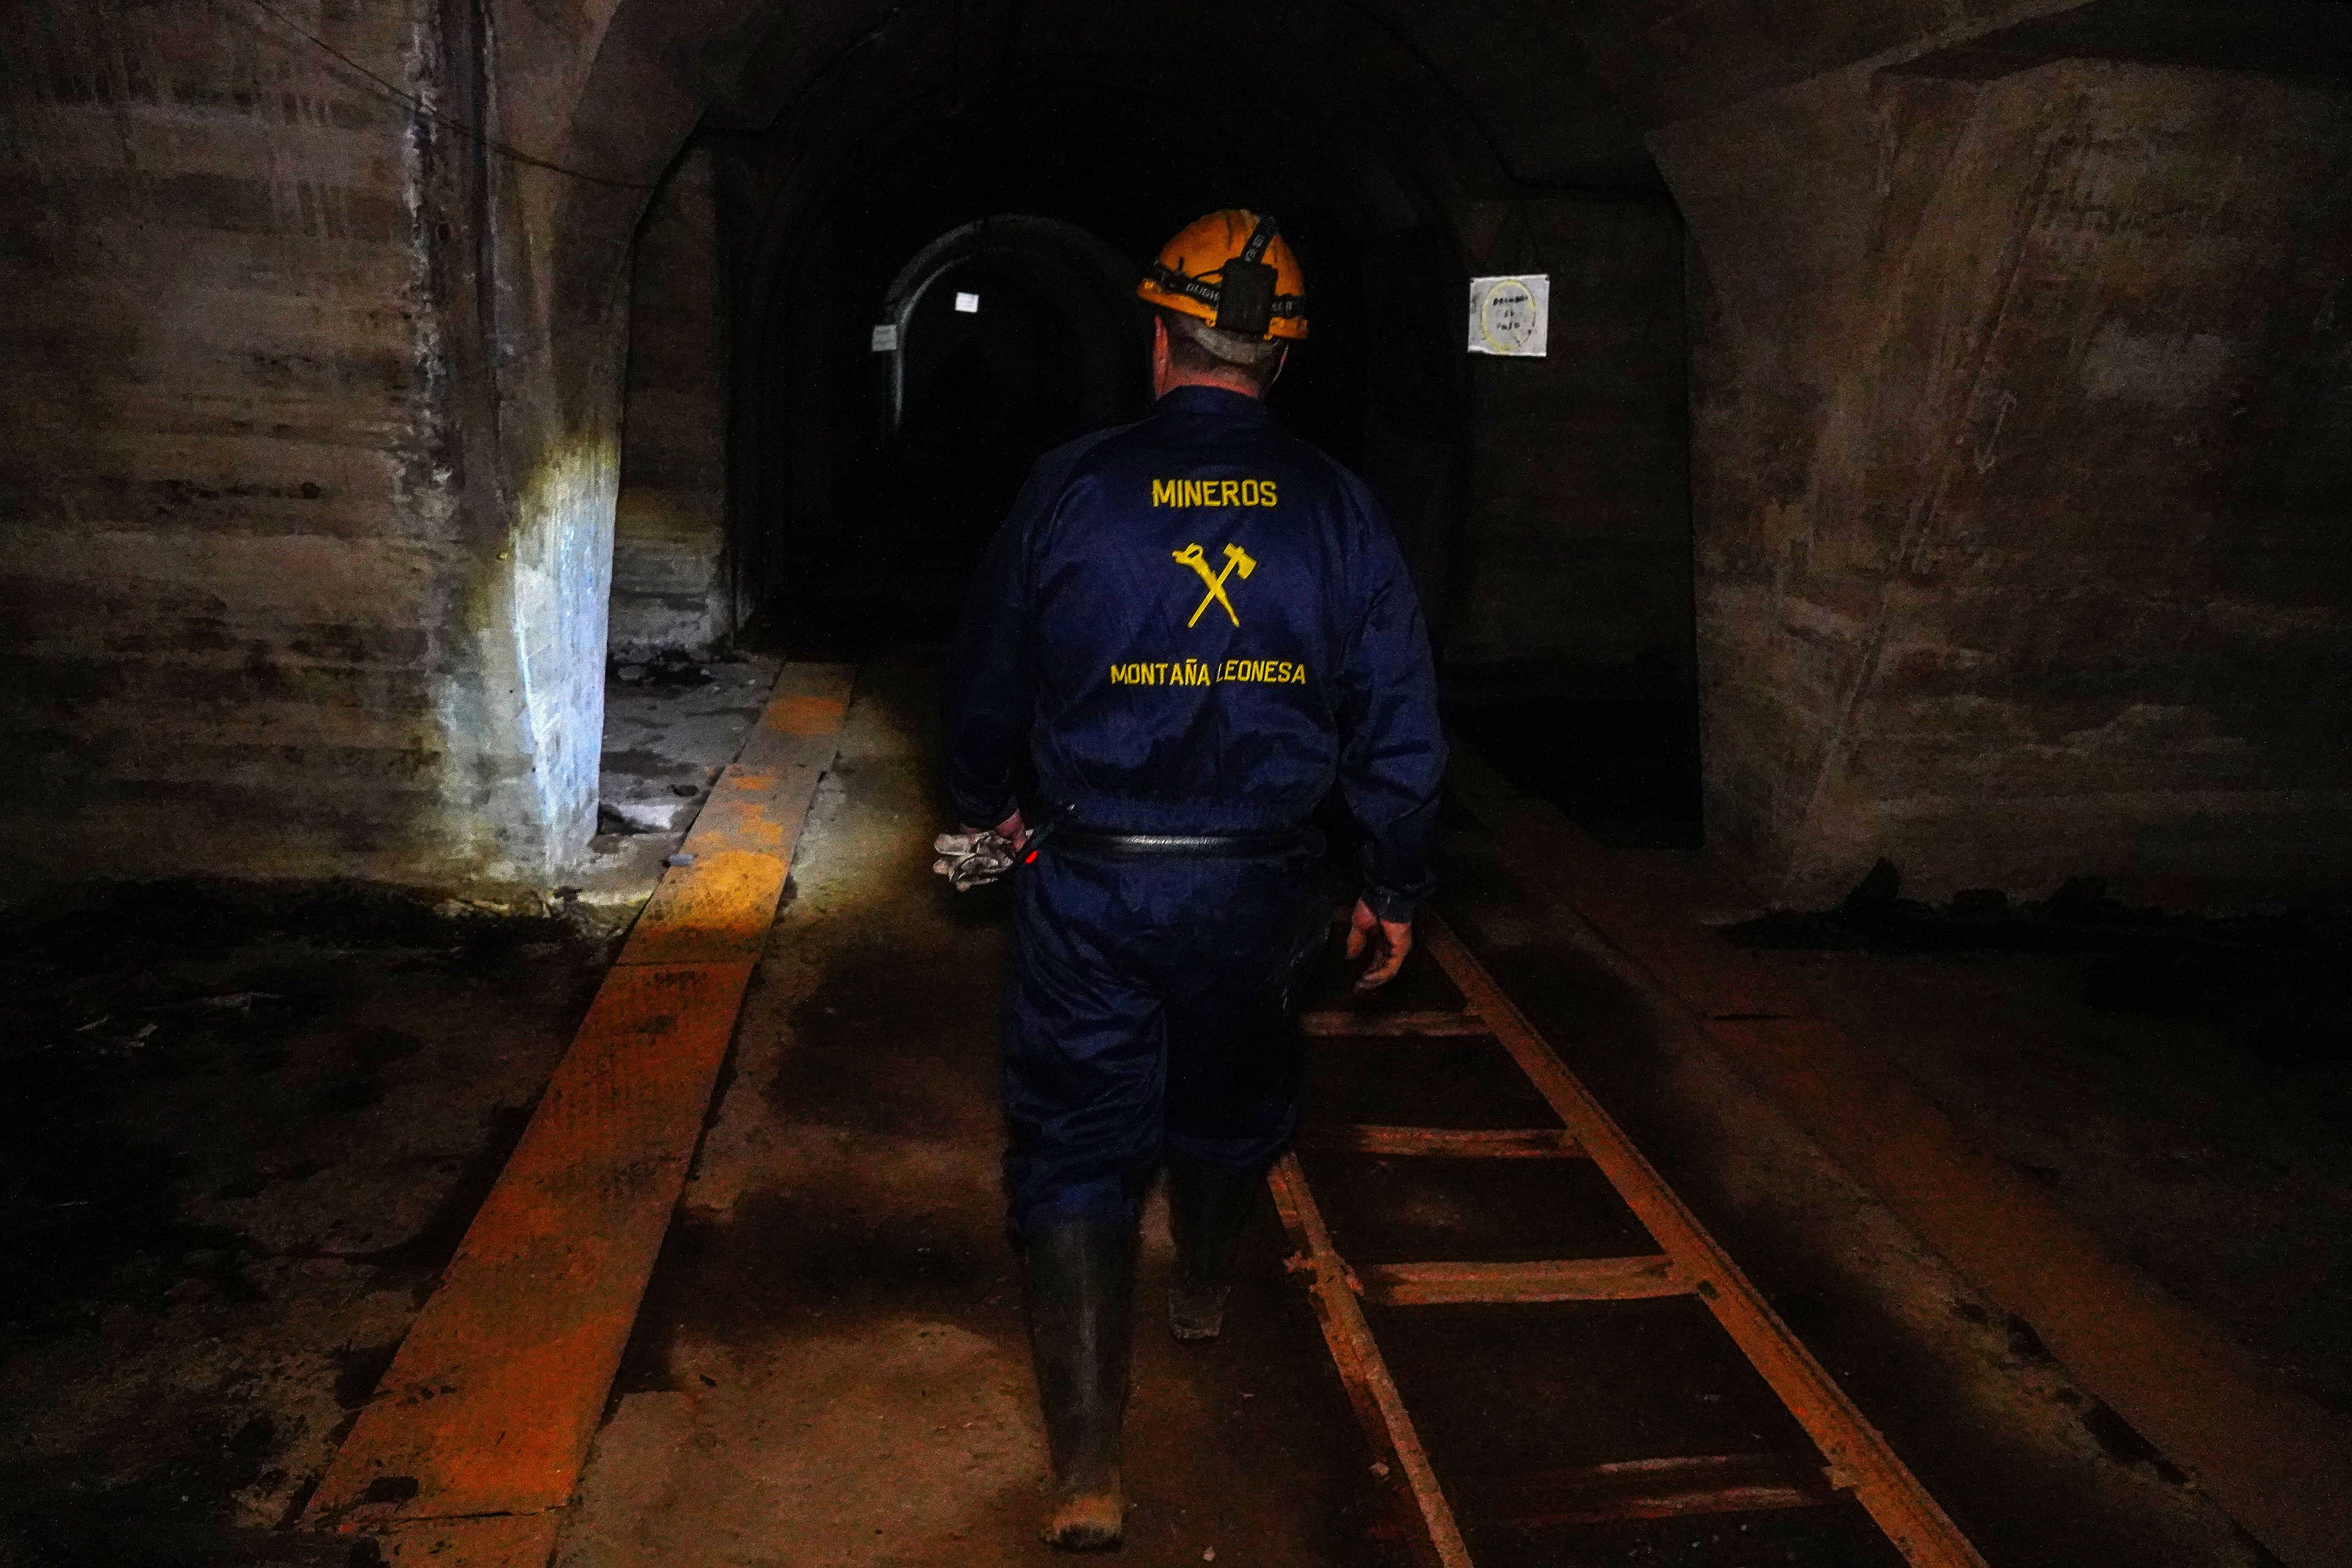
point(1208, 1209)
point(1081, 1295)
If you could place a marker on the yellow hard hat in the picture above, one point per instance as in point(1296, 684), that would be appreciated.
point(1234, 269)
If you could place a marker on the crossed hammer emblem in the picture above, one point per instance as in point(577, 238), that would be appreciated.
point(1236, 559)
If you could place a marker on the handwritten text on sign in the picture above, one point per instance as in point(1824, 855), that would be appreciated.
point(1509, 315)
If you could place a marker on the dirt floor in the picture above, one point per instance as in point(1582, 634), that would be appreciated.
point(245, 1126)
point(242, 1131)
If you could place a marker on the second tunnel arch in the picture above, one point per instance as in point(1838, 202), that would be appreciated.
point(1054, 258)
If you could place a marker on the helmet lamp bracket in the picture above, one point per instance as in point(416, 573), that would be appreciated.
point(1245, 285)
point(1245, 298)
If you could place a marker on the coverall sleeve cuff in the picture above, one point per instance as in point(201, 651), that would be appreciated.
point(1390, 906)
point(985, 816)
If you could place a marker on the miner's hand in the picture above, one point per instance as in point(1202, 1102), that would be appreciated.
point(1389, 940)
point(1011, 829)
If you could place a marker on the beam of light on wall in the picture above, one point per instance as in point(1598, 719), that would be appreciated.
point(968, 304)
point(558, 582)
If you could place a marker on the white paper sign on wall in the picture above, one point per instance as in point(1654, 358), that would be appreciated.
point(1510, 315)
point(886, 339)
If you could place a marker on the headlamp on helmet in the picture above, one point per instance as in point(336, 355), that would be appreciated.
point(1233, 270)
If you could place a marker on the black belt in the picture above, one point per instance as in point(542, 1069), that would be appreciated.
point(1230, 846)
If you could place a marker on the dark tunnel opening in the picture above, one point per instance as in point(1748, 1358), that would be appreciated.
point(993, 343)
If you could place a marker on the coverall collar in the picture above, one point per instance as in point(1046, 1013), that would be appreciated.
point(1213, 401)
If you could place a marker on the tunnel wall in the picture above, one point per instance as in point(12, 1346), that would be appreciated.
point(2018, 412)
point(1579, 535)
point(305, 563)
point(669, 588)
point(228, 547)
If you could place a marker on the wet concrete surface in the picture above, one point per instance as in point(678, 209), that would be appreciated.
point(243, 1131)
point(671, 725)
point(830, 1366)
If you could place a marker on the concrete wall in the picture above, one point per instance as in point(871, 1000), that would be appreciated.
point(227, 550)
point(1578, 545)
point(297, 574)
point(2020, 410)
point(669, 586)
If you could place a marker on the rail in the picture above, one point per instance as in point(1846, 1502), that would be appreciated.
point(1854, 1461)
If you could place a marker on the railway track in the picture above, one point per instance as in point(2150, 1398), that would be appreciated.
point(1584, 1306)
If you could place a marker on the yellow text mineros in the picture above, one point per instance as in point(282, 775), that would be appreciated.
point(1196, 672)
point(1212, 492)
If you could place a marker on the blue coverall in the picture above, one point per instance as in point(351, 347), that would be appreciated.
point(1193, 624)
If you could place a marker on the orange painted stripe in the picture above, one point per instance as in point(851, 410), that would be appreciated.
point(482, 1423)
point(2273, 1459)
point(807, 712)
point(716, 910)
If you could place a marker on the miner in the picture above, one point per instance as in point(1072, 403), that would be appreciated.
point(1190, 631)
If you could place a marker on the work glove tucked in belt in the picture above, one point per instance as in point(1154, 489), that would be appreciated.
point(970, 860)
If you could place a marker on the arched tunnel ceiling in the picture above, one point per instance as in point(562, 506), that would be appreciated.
point(1508, 94)
point(1481, 98)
